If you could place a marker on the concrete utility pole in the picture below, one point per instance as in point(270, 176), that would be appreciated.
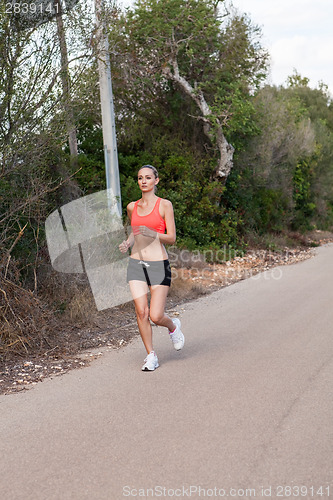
point(108, 121)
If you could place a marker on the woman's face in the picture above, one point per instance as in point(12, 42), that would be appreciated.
point(146, 179)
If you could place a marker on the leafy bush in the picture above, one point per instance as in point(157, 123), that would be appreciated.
point(303, 196)
point(201, 220)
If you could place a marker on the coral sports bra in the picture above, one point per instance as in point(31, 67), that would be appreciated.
point(153, 220)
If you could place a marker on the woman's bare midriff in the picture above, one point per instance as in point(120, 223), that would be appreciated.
point(146, 248)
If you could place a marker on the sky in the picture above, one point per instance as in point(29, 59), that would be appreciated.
point(298, 35)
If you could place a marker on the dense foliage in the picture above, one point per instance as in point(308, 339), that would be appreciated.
point(282, 169)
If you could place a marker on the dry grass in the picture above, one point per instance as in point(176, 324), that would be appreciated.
point(184, 289)
point(278, 241)
point(181, 258)
point(26, 323)
point(68, 295)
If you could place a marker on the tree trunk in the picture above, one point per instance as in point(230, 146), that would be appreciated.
point(70, 190)
point(66, 85)
point(212, 130)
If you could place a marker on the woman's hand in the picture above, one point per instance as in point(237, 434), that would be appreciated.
point(124, 246)
point(145, 231)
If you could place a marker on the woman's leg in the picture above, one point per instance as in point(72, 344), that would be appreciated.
point(139, 290)
point(157, 305)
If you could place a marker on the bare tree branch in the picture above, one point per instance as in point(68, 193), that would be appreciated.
point(212, 125)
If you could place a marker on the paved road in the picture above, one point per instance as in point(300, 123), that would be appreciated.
point(244, 410)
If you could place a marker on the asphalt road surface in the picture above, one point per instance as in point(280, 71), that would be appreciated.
point(245, 410)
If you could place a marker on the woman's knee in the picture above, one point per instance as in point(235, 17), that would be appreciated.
point(156, 317)
point(142, 313)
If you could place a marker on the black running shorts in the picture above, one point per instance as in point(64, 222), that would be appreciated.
point(153, 272)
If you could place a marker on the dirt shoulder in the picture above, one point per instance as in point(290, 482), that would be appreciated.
point(83, 340)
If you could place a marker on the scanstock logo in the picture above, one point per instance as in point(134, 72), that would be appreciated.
point(83, 236)
point(31, 13)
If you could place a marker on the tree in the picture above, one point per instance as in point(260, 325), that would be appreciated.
point(66, 83)
point(34, 163)
point(190, 45)
point(283, 179)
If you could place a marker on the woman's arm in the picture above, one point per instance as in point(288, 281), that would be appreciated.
point(126, 244)
point(170, 237)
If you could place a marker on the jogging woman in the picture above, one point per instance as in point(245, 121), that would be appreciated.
point(153, 226)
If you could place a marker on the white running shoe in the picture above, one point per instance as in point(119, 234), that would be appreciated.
point(151, 362)
point(177, 336)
